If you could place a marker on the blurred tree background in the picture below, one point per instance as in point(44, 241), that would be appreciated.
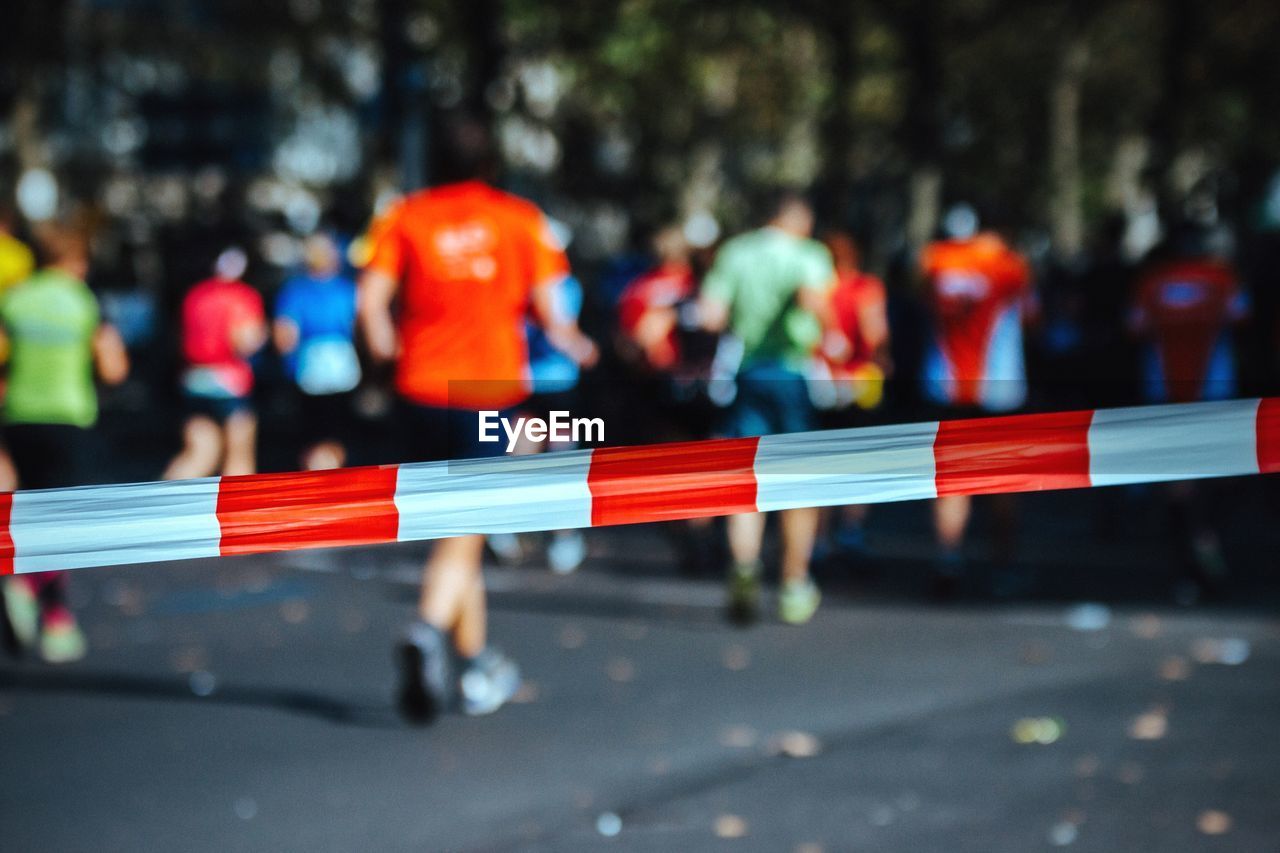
point(272, 117)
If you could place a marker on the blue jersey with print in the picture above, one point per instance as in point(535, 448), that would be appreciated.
point(323, 310)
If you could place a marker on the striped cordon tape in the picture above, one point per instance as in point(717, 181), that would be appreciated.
point(148, 522)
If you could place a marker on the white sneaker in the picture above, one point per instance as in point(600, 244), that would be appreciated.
point(488, 683)
point(567, 551)
point(506, 547)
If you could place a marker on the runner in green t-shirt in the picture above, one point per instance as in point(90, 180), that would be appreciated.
point(770, 288)
point(55, 341)
point(769, 280)
point(50, 321)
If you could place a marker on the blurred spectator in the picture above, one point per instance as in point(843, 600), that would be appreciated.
point(16, 264)
point(314, 331)
point(56, 341)
point(979, 290)
point(770, 288)
point(223, 324)
point(467, 262)
point(16, 260)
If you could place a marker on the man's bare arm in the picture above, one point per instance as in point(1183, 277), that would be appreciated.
point(562, 332)
point(110, 357)
point(373, 315)
point(712, 314)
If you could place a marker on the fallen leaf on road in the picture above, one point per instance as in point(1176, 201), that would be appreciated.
point(621, 670)
point(737, 658)
point(1175, 668)
point(572, 637)
point(794, 745)
point(1153, 725)
point(1213, 822)
point(730, 826)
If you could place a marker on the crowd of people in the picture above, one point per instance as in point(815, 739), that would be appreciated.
point(465, 294)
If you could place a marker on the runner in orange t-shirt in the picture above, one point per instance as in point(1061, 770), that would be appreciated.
point(979, 289)
point(471, 259)
point(469, 263)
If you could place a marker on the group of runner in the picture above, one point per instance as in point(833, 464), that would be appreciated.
point(466, 291)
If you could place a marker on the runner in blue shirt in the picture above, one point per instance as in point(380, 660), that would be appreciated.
point(315, 333)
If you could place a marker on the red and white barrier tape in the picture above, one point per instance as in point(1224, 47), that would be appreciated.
point(147, 522)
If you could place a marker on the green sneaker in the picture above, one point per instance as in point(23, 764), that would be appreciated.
point(23, 611)
point(61, 640)
point(798, 601)
point(1210, 571)
point(744, 593)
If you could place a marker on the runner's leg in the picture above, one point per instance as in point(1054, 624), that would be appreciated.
point(324, 456)
point(799, 530)
point(448, 581)
point(950, 519)
point(746, 533)
point(201, 450)
point(470, 636)
point(241, 433)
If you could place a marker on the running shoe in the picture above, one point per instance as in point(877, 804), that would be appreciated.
point(1210, 571)
point(944, 581)
point(566, 552)
point(798, 601)
point(506, 547)
point(424, 674)
point(850, 540)
point(488, 683)
point(22, 611)
point(61, 640)
point(744, 593)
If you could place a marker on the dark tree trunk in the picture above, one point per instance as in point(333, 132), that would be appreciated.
point(837, 128)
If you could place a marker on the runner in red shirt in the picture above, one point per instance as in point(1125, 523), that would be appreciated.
point(469, 263)
point(1184, 306)
point(648, 308)
point(670, 367)
point(856, 347)
point(223, 325)
point(855, 352)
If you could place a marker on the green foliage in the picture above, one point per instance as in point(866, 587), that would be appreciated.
point(734, 94)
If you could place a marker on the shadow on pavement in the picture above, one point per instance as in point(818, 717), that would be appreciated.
point(126, 685)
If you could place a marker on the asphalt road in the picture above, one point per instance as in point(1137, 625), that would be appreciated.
point(246, 705)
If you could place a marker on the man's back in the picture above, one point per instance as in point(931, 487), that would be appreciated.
point(211, 313)
point(758, 275)
point(976, 287)
point(1187, 306)
point(320, 306)
point(50, 320)
point(468, 256)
